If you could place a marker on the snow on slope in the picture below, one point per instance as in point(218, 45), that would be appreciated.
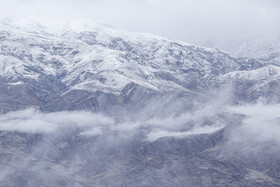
point(270, 72)
point(265, 48)
point(97, 57)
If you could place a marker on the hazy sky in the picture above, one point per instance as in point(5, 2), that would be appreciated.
point(198, 21)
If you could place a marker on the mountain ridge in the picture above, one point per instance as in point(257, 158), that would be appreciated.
point(107, 60)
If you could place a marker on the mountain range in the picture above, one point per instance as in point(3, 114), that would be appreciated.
point(157, 84)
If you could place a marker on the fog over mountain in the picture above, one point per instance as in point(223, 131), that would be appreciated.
point(94, 104)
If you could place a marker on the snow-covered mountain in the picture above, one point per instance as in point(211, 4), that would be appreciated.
point(53, 66)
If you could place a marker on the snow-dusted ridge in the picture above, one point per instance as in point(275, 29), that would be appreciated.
point(270, 72)
point(264, 48)
point(98, 58)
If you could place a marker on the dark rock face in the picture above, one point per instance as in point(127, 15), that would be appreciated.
point(125, 77)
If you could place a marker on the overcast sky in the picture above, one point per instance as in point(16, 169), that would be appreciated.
point(195, 21)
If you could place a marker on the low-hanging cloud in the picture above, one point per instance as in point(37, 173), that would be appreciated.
point(259, 132)
point(91, 124)
point(33, 121)
point(260, 125)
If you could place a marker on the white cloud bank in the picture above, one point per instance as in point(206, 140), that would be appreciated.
point(259, 132)
point(90, 124)
point(33, 121)
point(260, 126)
